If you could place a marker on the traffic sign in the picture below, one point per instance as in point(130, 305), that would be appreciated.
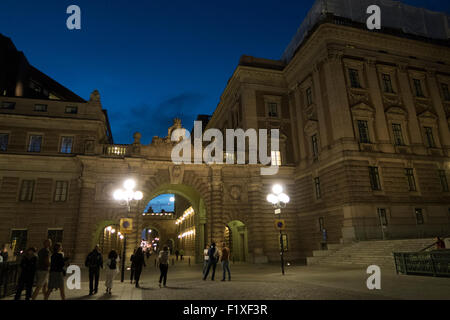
point(126, 225)
point(280, 224)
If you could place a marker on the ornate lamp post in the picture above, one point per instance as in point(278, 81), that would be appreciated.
point(279, 200)
point(126, 197)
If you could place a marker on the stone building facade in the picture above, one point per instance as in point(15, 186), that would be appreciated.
point(364, 151)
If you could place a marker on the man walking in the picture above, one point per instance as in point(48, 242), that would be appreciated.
point(94, 261)
point(225, 259)
point(42, 269)
point(28, 270)
point(213, 254)
point(163, 265)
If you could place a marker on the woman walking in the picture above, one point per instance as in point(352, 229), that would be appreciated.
point(163, 265)
point(56, 279)
point(112, 269)
point(139, 262)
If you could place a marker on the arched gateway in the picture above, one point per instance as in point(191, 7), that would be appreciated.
point(220, 195)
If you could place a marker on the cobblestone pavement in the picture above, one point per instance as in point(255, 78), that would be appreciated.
point(261, 282)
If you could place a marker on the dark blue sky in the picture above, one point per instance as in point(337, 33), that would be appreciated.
point(153, 60)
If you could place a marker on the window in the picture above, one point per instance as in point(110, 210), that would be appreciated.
point(309, 97)
point(354, 78)
point(66, 144)
point(19, 239)
point(317, 188)
point(8, 105)
point(409, 172)
point(26, 190)
point(419, 216)
point(273, 110)
point(363, 129)
point(387, 83)
point(445, 91)
point(56, 235)
point(443, 179)
point(61, 191)
point(315, 146)
point(382, 216)
point(429, 137)
point(374, 178)
point(4, 137)
point(398, 135)
point(418, 88)
point(40, 107)
point(35, 143)
point(72, 109)
point(276, 158)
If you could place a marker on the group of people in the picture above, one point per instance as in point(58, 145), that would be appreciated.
point(212, 255)
point(47, 266)
point(138, 262)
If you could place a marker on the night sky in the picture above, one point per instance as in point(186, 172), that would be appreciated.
point(153, 60)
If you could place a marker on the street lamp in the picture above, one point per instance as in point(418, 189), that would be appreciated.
point(279, 200)
point(125, 197)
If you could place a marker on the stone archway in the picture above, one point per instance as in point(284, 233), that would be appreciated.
point(236, 237)
point(198, 204)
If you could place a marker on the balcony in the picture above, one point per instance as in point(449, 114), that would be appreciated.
point(116, 150)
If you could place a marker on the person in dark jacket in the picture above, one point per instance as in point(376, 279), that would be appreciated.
point(28, 270)
point(139, 262)
point(56, 278)
point(133, 267)
point(163, 260)
point(94, 261)
point(213, 254)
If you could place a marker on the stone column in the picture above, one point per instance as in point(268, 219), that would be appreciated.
point(256, 228)
point(413, 122)
point(85, 226)
point(439, 108)
point(216, 224)
point(381, 129)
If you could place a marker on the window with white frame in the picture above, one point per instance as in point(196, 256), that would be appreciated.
point(35, 143)
point(276, 158)
point(409, 172)
point(398, 134)
point(66, 145)
point(61, 188)
point(363, 128)
point(26, 190)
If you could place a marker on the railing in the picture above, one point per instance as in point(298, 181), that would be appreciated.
point(434, 243)
point(115, 150)
point(9, 274)
point(430, 263)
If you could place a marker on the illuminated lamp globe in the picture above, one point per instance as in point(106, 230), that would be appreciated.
point(118, 195)
point(277, 189)
point(272, 198)
point(138, 195)
point(283, 197)
point(129, 184)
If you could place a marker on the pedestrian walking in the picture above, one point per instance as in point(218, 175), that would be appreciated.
point(205, 258)
point(213, 254)
point(28, 265)
point(94, 261)
point(225, 260)
point(181, 254)
point(133, 266)
point(139, 263)
point(112, 269)
point(42, 270)
point(163, 259)
point(57, 272)
point(177, 253)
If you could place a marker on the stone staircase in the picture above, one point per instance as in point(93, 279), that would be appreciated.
point(365, 253)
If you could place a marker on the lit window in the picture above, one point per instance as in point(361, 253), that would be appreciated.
point(387, 83)
point(61, 191)
point(40, 107)
point(398, 135)
point(409, 172)
point(26, 190)
point(429, 137)
point(354, 78)
point(418, 87)
point(374, 178)
point(273, 110)
point(66, 144)
point(4, 137)
point(363, 128)
point(443, 180)
point(35, 143)
point(276, 158)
